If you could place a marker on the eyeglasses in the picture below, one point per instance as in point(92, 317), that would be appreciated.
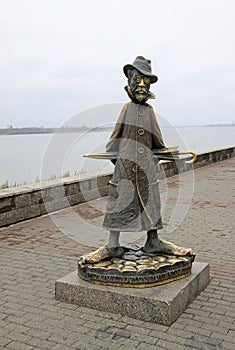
point(138, 79)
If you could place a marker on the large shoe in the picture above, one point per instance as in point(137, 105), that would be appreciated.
point(95, 256)
point(171, 248)
point(100, 254)
point(162, 246)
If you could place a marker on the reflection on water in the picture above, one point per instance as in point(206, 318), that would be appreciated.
point(24, 157)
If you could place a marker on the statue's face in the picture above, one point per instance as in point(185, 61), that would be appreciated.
point(139, 84)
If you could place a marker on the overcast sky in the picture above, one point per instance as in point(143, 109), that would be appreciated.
point(59, 57)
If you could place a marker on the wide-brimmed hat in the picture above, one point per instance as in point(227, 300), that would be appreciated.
point(143, 65)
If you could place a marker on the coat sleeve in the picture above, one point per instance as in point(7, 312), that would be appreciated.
point(157, 139)
point(113, 143)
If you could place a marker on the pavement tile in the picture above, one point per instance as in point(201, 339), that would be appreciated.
point(4, 341)
point(15, 345)
point(21, 337)
point(144, 338)
point(227, 345)
point(136, 329)
point(45, 344)
point(220, 336)
point(207, 341)
point(164, 344)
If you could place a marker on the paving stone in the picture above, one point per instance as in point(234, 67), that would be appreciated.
point(200, 331)
point(219, 329)
point(21, 337)
point(40, 334)
point(45, 344)
point(4, 341)
point(206, 341)
point(223, 318)
point(113, 322)
point(144, 338)
point(123, 347)
point(191, 343)
point(164, 344)
point(61, 347)
point(222, 337)
point(139, 330)
point(179, 333)
point(3, 316)
point(177, 325)
point(15, 345)
point(93, 342)
point(122, 333)
point(163, 335)
point(227, 345)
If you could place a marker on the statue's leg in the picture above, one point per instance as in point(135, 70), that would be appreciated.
point(113, 245)
point(152, 244)
point(113, 240)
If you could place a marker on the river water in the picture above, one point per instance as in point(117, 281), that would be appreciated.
point(26, 158)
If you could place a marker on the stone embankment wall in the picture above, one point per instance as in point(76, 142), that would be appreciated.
point(21, 203)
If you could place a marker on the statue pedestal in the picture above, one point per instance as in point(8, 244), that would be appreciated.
point(160, 304)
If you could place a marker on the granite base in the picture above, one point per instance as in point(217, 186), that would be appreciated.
point(160, 304)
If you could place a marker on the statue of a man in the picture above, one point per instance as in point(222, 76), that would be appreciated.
point(134, 200)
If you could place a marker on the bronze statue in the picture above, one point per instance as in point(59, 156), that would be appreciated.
point(135, 135)
point(135, 147)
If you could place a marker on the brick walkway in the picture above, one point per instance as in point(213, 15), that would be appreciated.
point(34, 254)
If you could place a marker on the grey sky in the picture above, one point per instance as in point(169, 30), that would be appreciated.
point(60, 57)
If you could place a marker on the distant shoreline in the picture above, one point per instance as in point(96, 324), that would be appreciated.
point(36, 130)
point(65, 130)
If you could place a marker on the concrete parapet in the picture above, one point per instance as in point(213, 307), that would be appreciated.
point(25, 202)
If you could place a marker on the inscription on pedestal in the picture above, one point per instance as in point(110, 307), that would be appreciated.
point(137, 271)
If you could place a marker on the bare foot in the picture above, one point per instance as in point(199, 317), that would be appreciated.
point(159, 245)
point(116, 252)
point(152, 246)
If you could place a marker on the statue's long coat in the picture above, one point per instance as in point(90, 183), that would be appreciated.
point(134, 200)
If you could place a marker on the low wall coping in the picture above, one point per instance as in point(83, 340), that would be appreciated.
point(28, 201)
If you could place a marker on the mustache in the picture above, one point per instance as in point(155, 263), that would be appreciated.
point(141, 89)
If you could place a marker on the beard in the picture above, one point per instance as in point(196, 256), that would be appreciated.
point(140, 94)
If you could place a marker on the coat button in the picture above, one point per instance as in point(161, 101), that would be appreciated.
point(140, 150)
point(140, 131)
point(141, 112)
